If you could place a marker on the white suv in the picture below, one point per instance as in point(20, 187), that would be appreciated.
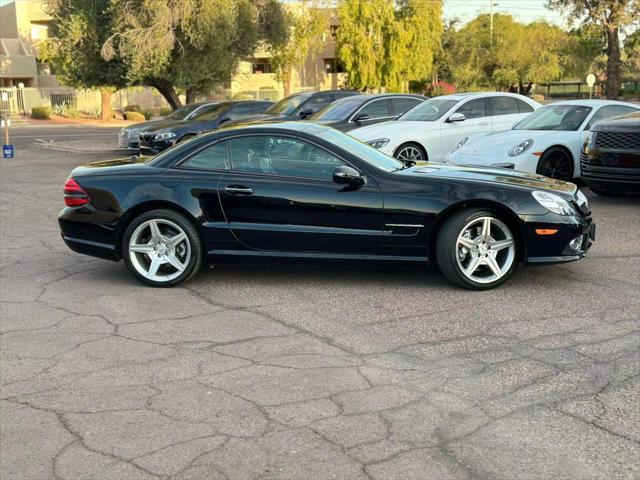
point(432, 129)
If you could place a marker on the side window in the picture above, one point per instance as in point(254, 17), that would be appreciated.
point(473, 109)
point(401, 105)
point(214, 157)
point(524, 107)
point(283, 156)
point(240, 111)
point(317, 102)
point(376, 109)
point(609, 111)
point(502, 106)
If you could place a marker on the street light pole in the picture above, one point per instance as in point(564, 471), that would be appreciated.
point(491, 5)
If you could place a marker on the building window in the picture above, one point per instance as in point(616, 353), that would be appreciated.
point(261, 65)
point(333, 65)
point(333, 29)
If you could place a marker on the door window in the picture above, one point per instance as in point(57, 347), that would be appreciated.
point(473, 109)
point(376, 109)
point(282, 156)
point(401, 105)
point(609, 111)
point(214, 157)
point(524, 107)
point(502, 106)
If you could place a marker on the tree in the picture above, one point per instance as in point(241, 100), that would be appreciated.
point(585, 46)
point(308, 22)
point(611, 16)
point(386, 44)
point(192, 45)
point(516, 57)
point(80, 29)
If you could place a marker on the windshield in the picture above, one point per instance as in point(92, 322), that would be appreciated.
point(362, 150)
point(555, 117)
point(288, 105)
point(208, 113)
point(429, 110)
point(338, 110)
point(182, 112)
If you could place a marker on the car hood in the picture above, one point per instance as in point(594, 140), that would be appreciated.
point(179, 126)
point(139, 127)
point(501, 143)
point(501, 176)
point(387, 129)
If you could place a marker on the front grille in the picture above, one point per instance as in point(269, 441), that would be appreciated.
point(584, 160)
point(617, 140)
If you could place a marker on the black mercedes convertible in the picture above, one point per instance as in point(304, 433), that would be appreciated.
point(296, 191)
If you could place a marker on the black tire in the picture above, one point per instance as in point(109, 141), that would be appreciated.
point(416, 146)
point(447, 250)
point(193, 239)
point(556, 163)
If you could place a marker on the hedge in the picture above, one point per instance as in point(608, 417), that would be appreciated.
point(134, 116)
point(41, 113)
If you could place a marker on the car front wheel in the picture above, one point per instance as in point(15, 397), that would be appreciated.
point(410, 152)
point(162, 248)
point(476, 250)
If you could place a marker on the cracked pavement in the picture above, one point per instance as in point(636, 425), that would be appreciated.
point(315, 372)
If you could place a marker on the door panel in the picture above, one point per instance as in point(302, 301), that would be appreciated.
point(476, 122)
point(268, 208)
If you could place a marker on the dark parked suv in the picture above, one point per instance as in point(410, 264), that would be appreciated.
point(610, 158)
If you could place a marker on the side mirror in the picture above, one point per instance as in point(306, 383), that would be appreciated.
point(306, 112)
point(224, 119)
point(456, 117)
point(347, 176)
point(362, 117)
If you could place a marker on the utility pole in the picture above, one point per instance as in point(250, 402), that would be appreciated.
point(491, 5)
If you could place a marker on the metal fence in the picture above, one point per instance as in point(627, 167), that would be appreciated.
point(20, 101)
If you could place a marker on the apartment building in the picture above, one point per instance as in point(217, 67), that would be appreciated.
point(23, 23)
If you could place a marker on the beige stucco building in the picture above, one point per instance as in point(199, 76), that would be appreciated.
point(23, 23)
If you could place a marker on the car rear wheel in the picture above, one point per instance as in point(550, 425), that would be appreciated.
point(556, 163)
point(162, 248)
point(410, 151)
point(476, 250)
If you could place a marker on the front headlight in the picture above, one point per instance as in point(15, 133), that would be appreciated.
point(587, 142)
point(553, 203)
point(521, 148)
point(460, 143)
point(164, 136)
point(582, 199)
point(379, 143)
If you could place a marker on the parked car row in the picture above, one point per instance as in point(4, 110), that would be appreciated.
point(493, 129)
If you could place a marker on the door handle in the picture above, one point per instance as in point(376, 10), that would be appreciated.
point(238, 190)
point(483, 124)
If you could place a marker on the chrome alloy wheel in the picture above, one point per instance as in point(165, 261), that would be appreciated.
point(410, 153)
point(485, 250)
point(159, 250)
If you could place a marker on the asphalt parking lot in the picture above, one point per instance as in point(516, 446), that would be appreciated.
point(289, 372)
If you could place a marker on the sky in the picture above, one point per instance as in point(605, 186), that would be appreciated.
point(522, 10)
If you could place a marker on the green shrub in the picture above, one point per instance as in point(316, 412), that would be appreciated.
point(148, 114)
point(41, 113)
point(164, 111)
point(134, 116)
point(133, 108)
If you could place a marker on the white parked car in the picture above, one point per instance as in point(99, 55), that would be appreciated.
point(430, 130)
point(547, 142)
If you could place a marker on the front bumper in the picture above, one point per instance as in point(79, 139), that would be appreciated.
point(149, 146)
point(128, 140)
point(556, 248)
point(612, 177)
point(524, 163)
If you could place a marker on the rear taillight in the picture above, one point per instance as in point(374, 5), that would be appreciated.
point(74, 195)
